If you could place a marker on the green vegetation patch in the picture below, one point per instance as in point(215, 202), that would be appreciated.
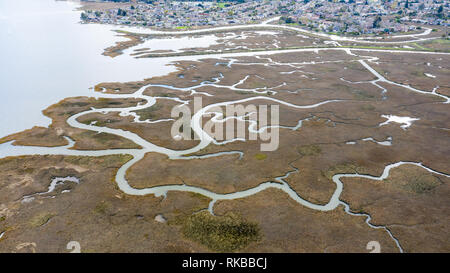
point(260, 156)
point(422, 185)
point(74, 104)
point(79, 160)
point(242, 92)
point(309, 150)
point(416, 183)
point(166, 95)
point(105, 161)
point(362, 95)
point(100, 123)
point(436, 44)
point(102, 138)
point(224, 234)
point(442, 41)
point(101, 207)
point(200, 197)
point(116, 160)
point(355, 66)
point(98, 88)
point(25, 171)
point(105, 102)
point(148, 113)
point(254, 85)
point(41, 219)
point(367, 108)
point(419, 73)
